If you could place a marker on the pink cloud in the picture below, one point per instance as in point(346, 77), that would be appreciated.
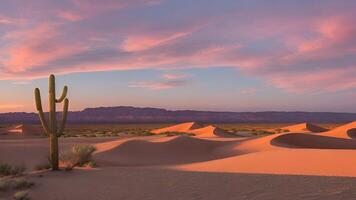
point(175, 76)
point(159, 85)
point(299, 53)
point(81, 9)
point(330, 80)
point(70, 16)
point(142, 43)
point(36, 46)
point(8, 21)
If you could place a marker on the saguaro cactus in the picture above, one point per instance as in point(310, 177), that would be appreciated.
point(51, 128)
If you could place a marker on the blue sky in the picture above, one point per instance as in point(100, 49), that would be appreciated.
point(220, 89)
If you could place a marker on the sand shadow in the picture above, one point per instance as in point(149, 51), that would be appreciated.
point(302, 140)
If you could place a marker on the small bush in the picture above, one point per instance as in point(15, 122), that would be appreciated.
point(262, 132)
point(8, 170)
point(5, 169)
point(178, 133)
point(22, 195)
point(4, 184)
point(14, 183)
point(78, 156)
point(91, 164)
point(21, 183)
point(43, 166)
point(18, 170)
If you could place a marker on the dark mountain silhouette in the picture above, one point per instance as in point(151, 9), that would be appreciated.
point(126, 114)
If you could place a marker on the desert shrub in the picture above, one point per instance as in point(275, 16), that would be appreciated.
point(4, 184)
point(43, 166)
point(7, 170)
point(140, 132)
point(262, 132)
point(91, 164)
point(14, 183)
point(78, 156)
point(22, 195)
point(18, 170)
point(21, 183)
point(279, 130)
point(178, 133)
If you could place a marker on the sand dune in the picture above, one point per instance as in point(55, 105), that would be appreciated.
point(209, 154)
point(289, 153)
point(317, 162)
point(184, 127)
point(196, 129)
point(258, 144)
point(211, 131)
point(181, 149)
point(345, 131)
point(305, 127)
point(184, 149)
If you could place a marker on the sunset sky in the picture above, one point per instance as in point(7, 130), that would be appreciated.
point(228, 55)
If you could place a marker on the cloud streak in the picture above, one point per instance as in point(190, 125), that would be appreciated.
point(159, 85)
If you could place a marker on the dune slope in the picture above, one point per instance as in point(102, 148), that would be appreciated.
point(305, 127)
point(181, 149)
point(344, 131)
point(184, 127)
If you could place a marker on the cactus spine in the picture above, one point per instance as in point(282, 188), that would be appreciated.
point(51, 129)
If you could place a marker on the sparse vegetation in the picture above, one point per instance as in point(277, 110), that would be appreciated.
point(4, 184)
point(22, 195)
point(8, 170)
point(111, 130)
point(11, 184)
point(178, 133)
point(79, 155)
point(21, 183)
point(91, 164)
point(43, 166)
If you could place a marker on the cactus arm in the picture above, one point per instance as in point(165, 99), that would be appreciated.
point(63, 96)
point(40, 111)
point(64, 117)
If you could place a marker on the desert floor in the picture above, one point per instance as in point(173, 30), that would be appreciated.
point(296, 164)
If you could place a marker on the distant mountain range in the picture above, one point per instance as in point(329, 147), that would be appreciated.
point(127, 114)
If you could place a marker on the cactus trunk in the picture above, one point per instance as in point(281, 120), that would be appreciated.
point(51, 129)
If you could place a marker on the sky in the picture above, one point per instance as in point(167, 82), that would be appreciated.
point(219, 55)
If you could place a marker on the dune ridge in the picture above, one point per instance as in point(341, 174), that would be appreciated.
point(305, 127)
point(183, 127)
point(346, 131)
point(195, 128)
point(326, 154)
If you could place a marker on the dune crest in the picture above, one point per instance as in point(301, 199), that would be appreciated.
point(196, 129)
point(345, 131)
point(305, 127)
point(211, 131)
point(184, 127)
